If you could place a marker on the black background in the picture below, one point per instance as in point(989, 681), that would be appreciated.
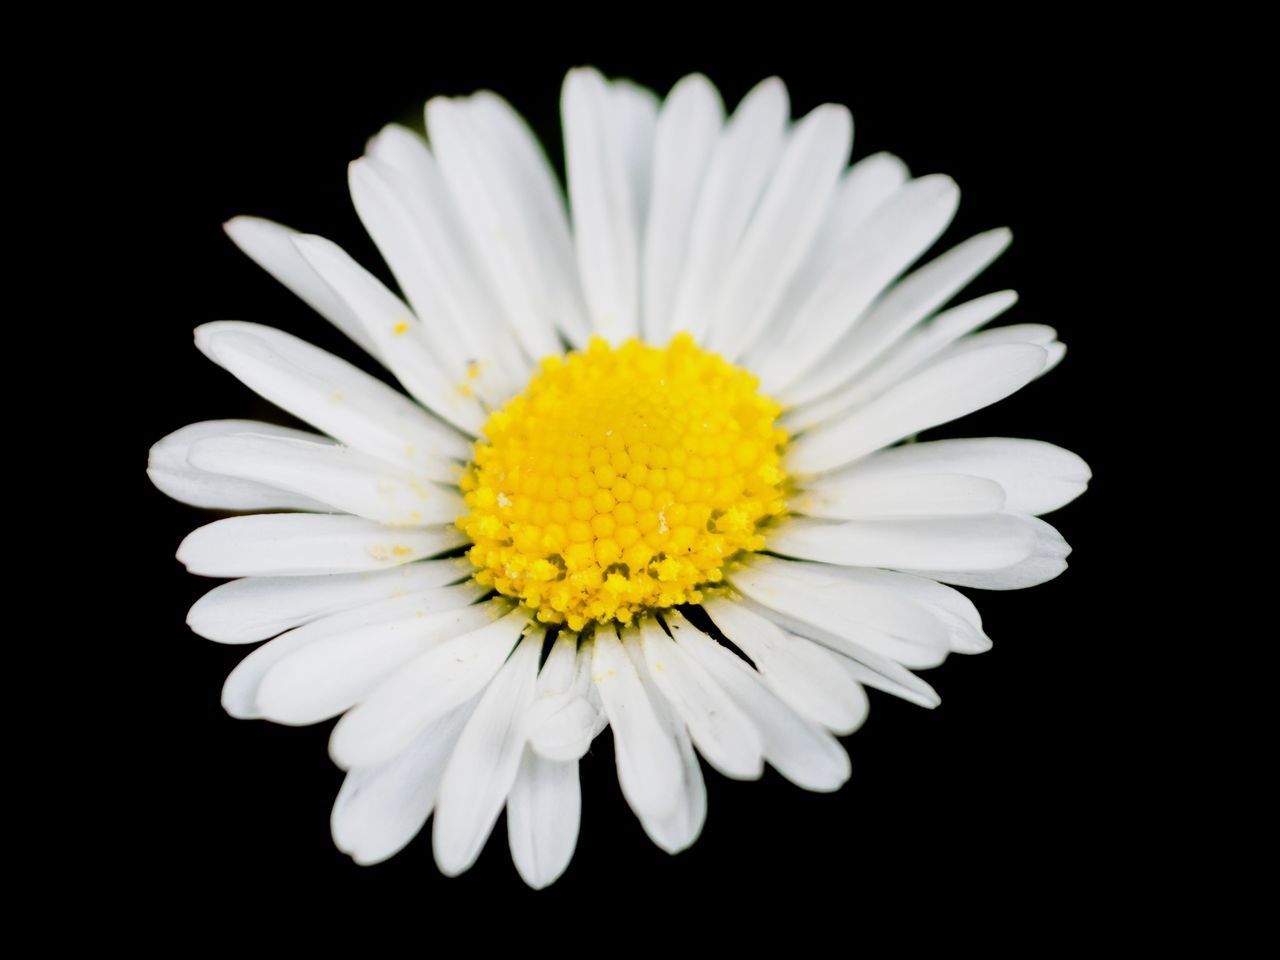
point(1000, 801)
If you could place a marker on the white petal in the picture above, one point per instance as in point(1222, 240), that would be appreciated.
point(437, 380)
point(936, 395)
point(562, 721)
point(172, 473)
point(423, 690)
point(380, 809)
point(510, 206)
point(688, 125)
point(894, 236)
point(677, 829)
point(559, 671)
point(867, 666)
point(253, 609)
point(953, 609)
point(483, 767)
point(859, 497)
point(1036, 477)
point(240, 692)
point(406, 206)
point(331, 394)
point(911, 353)
point(982, 542)
point(564, 727)
point(800, 750)
point(782, 228)
point(802, 674)
point(635, 111)
point(722, 733)
point(650, 769)
point(1033, 333)
point(336, 670)
point(303, 544)
point(744, 158)
point(603, 197)
point(1047, 560)
point(864, 187)
point(543, 813)
point(1056, 350)
point(539, 192)
point(883, 674)
point(904, 305)
point(344, 479)
point(1036, 333)
point(839, 611)
point(270, 245)
point(401, 240)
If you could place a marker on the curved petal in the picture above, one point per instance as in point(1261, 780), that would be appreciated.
point(741, 164)
point(381, 808)
point(905, 358)
point(988, 541)
point(513, 214)
point(344, 479)
point(240, 692)
point(544, 810)
point(883, 674)
point(782, 228)
point(423, 690)
point(802, 674)
point(719, 729)
point(170, 469)
point(688, 125)
point(334, 672)
point(862, 189)
point(650, 768)
point(406, 207)
point(330, 394)
point(677, 829)
point(904, 305)
point(860, 497)
point(1036, 477)
point(483, 767)
point(438, 381)
point(937, 395)
point(953, 609)
point(894, 236)
point(270, 246)
point(606, 199)
point(798, 749)
point(562, 721)
point(255, 608)
point(1047, 560)
point(840, 611)
point(303, 544)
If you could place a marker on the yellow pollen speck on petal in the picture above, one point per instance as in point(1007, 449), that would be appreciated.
point(400, 327)
point(622, 480)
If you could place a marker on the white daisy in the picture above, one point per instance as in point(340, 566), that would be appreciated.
point(666, 413)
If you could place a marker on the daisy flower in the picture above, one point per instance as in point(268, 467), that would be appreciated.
point(654, 468)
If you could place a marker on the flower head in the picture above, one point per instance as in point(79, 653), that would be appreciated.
point(654, 468)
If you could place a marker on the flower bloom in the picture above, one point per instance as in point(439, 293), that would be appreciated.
point(668, 414)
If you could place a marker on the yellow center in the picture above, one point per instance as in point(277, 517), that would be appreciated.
point(622, 480)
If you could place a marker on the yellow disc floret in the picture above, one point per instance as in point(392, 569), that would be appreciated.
point(622, 480)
